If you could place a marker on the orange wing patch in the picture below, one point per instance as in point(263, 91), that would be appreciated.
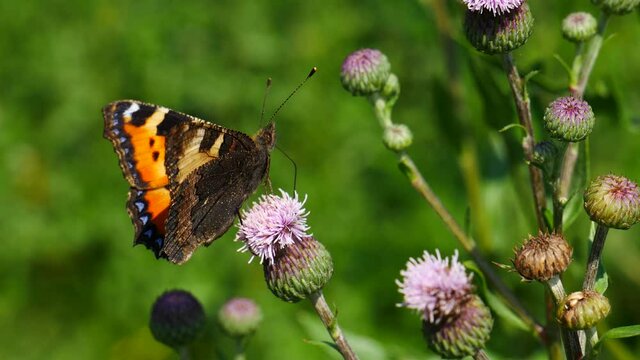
point(158, 202)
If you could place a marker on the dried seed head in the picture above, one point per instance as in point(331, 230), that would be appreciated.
point(613, 201)
point(583, 309)
point(542, 257)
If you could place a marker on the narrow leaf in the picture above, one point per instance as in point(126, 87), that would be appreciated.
point(619, 333)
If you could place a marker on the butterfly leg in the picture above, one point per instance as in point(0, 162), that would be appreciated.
point(267, 184)
point(239, 216)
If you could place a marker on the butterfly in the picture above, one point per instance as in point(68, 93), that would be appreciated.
point(188, 177)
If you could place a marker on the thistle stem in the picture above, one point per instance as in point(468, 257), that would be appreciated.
point(184, 353)
point(240, 349)
point(569, 338)
point(331, 324)
point(559, 200)
point(593, 49)
point(594, 257)
point(524, 115)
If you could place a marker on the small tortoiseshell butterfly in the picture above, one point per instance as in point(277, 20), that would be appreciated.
point(188, 177)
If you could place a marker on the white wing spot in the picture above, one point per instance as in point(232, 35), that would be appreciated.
point(133, 108)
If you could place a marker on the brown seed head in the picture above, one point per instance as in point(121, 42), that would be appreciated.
point(583, 309)
point(543, 257)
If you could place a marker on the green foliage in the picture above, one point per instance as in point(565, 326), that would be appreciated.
point(72, 286)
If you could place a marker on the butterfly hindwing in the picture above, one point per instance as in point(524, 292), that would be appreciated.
point(148, 210)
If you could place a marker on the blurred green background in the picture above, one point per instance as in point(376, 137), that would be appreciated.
point(72, 286)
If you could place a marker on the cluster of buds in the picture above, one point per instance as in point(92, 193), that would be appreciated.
point(497, 26)
point(455, 321)
point(367, 72)
point(617, 7)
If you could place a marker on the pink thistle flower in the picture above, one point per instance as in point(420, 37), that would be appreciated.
point(273, 223)
point(497, 7)
point(434, 286)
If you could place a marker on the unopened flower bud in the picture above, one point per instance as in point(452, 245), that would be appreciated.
point(397, 137)
point(613, 201)
point(299, 270)
point(463, 335)
point(579, 26)
point(177, 318)
point(543, 257)
point(391, 90)
point(617, 7)
point(544, 155)
point(365, 72)
point(239, 317)
point(569, 119)
point(583, 310)
point(499, 34)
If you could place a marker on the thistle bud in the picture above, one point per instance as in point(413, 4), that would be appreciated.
point(177, 318)
point(239, 317)
point(583, 310)
point(299, 270)
point(544, 155)
point(365, 72)
point(499, 34)
point(543, 257)
point(569, 119)
point(579, 27)
point(617, 7)
point(397, 137)
point(463, 335)
point(613, 201)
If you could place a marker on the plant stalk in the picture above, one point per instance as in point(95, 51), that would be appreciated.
point(331, 324)
point(594, 257)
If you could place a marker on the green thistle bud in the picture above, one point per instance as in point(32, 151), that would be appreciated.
point(617, 7)
point(365, 72)
point(569, 119)
point(543, 257)
point(499, 34)
point(579, 27)
point(298, 270)
point(239, 317)
point(397, 137)
point(613, 201)
point(583, 310)
point(544, 155)
point(177, 318)
point(391, 90)
point(463, 335)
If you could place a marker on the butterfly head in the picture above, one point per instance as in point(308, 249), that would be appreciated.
point(266, 137)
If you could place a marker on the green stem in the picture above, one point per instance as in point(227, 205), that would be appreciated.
point(184, 353)
point(240, 348)
point(331, 324)
point(559, 179)
point(524, 115)
point(593, 49)
point(569, 338)
point(594, 257)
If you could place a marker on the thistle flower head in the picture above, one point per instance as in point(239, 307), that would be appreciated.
point(365, 72)
point(462, 335)
point(272, 224)
point(543, 256)
point(177, 318)
point(240, 317)
point(579, 26)
point(499, 34)
point(617, 7)
point(497, 7)
point(434, 286)
point(583, 309)
point(569, 119)
point(613, 201)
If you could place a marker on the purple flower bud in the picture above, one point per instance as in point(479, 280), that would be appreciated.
point(617, 7)
point(499, 34)
point(613, 201)
point(240, 317)
point(583, 310)
point(579, 27)
point(435, 287)
point(365, 72)
point(496, 7)
point(569, 119)
point(177, 318)
point(463, 335)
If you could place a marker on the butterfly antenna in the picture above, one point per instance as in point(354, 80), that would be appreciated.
point(295, 167)
point(264, 100)
point(313, 71)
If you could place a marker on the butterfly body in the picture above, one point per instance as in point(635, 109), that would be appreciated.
point(188, 177)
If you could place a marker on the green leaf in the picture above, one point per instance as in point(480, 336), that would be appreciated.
point(619, 333)
point(511, 126)
point(564, 64)
point(495, 303)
